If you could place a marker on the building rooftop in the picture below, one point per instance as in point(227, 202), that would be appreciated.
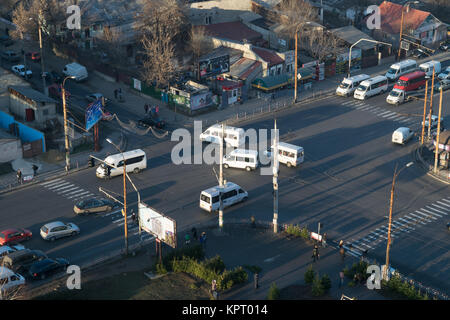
point(243, 68)
point(236, 31)
point(351, 35)
point(391, 15)
point(268, 55)
point(28, 93)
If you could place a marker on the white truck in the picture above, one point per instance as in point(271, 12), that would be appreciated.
point(398, 96)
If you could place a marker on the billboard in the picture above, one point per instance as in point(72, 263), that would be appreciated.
point(214, 66)
point(158, 224)
point(93, 114)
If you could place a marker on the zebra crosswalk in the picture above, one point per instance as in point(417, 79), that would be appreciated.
point(380, 112)
point(133, 229)
point(430, 213)
point(67, 189)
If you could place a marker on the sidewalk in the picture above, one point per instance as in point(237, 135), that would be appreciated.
point(283, 261)
point(425, 155)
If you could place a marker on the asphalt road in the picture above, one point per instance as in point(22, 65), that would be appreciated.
point(344, 183)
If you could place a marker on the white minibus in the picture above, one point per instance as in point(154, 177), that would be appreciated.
point(371, 87)
point(348, 85)
point(233, 136)
point(242, 159)
point(289, 154)
point(427, 67)
point(136, 161)
point(401, 68)
point(231, 194)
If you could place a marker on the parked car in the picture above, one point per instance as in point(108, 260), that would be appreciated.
point(9, 280)
point(57, 229)
point(444, 46)
point(95, 96)
point(55, 91)
point(10, 55)
point(444, 84)
point(419, 53)
point(6, 40)
point(20, 261)
point(5, 250)
point(94, 205)
point(53, 76)
point(150, 121)
point(44, 268)
point(434, 122)
point(33, 56)
point(12, 236)
point(22, 71)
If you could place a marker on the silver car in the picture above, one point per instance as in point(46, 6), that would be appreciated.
point(54, 230)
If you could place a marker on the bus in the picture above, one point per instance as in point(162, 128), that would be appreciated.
point(411, 81)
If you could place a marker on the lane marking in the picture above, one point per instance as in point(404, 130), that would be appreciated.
point(441, 203)
point(433, 212)
point(58, 185)
point(65, 187)
point(388, 114)
point(65, 191)
point(50, 182)
point(419, 217)
point(418, 220)
point(442, 208)
point(426, 215)
point(78, 195)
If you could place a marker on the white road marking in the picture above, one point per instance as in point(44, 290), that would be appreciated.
point(77, 195)
point(55, 186)
point(442, 208)
point(443, 204)
point(380, 114)
point(388, 114)
point(448, 201)
point(67, 190)
point(50, 182)
point(431, 212)
point(419, 217)
point(89, 195)
point(426, 215)
point(415, 220)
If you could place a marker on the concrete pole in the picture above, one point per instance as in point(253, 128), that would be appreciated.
point(66, 131)
point(275, 180)
point(431, 106)
point(42, 61)
point(436, 148)
point(400, 38)
point(221, 178)
point(125, 203)
point(390, 223)
point(295, 62)
point(424, 112)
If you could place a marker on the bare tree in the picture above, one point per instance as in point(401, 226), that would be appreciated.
point(111, 43)
point(321, 44)
point(295, 14)
point(199, 41)
point(159, 24)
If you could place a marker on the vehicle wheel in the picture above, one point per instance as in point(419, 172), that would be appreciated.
point(52, 239)
point(74, 233)
point(289, 164)
point(245, 199)
point(225, 166)
point(136, 170)
point(248, 169)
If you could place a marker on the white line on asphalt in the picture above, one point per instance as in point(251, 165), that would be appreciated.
point(76, 191)
point(406, 120)
point(55, 186)
point(89, 195)
point(347, 102)
point(380, 114)
point(110, 213)
point(400, 118)
point(122, 219)
point(448, 201)
point(393, 117)
point(442, 208)
point(67, 190)
point(441, 203)
point(361, 107)
point(388, 114)
point(426, 215)
point(415, 221)
point(50, 182)
point(65, 187)
point(407, 224)
point(419, 217)
point(78, 195)
point(431, 212)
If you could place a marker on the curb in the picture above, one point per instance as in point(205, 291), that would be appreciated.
point(426, 166)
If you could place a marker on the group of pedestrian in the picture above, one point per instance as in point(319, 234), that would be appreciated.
point(154, 109)
point(202, 239)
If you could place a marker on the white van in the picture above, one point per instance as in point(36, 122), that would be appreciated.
point(427, 67)
point(77, 70)
point(231, 194)
point(444, 75)
point(242, 159)
point(402, 135)
point(289, 154)
point(9, 280)
point(136, 161)
point(398, 69)
point(233, 136)
point(348, 85)
point(371, 87)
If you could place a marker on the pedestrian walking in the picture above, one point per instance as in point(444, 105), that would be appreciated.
point(203, 240)
point(324, 240)
point(252, 221)
point(115, 93)
point(315, 254)
point(341, 244)
point(341, 278)
point(187, 238)
point(342, 252)
point(19, 176)
point(35, 169)
point(194, 233)
point(146, 108)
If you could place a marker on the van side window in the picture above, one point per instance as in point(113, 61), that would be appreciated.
point(241, 159)
point(215, 199)
point(249, 160)
point(14, 278)
point(134, 160)
point(241, 191)
point(120, 164)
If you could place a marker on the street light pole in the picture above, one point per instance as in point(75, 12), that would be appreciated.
point(221, 178)
point(296, 67)
point(424, 112)
point(124, 212)
point(431, 105)
point(350, 52)
point(391, 205)
point(66, 129)
point(275, 180)
point(401, 26)
point(436, 148)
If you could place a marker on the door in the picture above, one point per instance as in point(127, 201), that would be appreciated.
point(29, 114)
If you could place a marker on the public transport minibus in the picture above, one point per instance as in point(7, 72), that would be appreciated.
point(242, 159)
point(233, 136)
point(400, 68)
point(371, 87)
point(349, 85)
point(289, 154)
point(411, 81)
point(231, 194)
point(136, 161)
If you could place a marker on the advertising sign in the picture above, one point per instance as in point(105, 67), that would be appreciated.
point(161, 226)
point(214, 66)
point(316, 236)
point(93, 114)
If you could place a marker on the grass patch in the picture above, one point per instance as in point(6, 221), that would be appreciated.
point(136, 286)
point(5, 168)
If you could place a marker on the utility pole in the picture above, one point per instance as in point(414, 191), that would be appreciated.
point(221, 179)
point(431, 106)
point(295, 73)
point(66, 129)
point(275, 180)
point(424, 111)
point(42, 55)
point(391, 205)
point(401, 25)
point(436, 148)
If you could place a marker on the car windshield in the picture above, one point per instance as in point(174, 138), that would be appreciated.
point(392, 71)
point(395, 93)
point(344, 85)
point(362, 87)
point(81, 204)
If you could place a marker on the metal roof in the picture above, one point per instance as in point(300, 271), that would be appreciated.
point(31, 94)
point(351, 35)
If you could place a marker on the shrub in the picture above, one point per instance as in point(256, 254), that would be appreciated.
point(294, 230)
point(160, 269)
point(326, 282)
point(274, 292)
point(317, 288)
point(252, 269)
point(196, 252)
point(305, 233)
point(309, 275)
point(230, 278)
point(215, 264)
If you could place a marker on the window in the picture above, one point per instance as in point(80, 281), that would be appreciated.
point(249, 160)
point(215, 199)
point(241, 159)
point(14, 278)
point(120, 164)
point(229, 194)
point(134, 160)
point(205, 198)
point(241, 191)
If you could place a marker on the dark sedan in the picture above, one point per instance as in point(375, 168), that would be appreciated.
point(94, 205)
point(152, 122)
point(47, 267)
